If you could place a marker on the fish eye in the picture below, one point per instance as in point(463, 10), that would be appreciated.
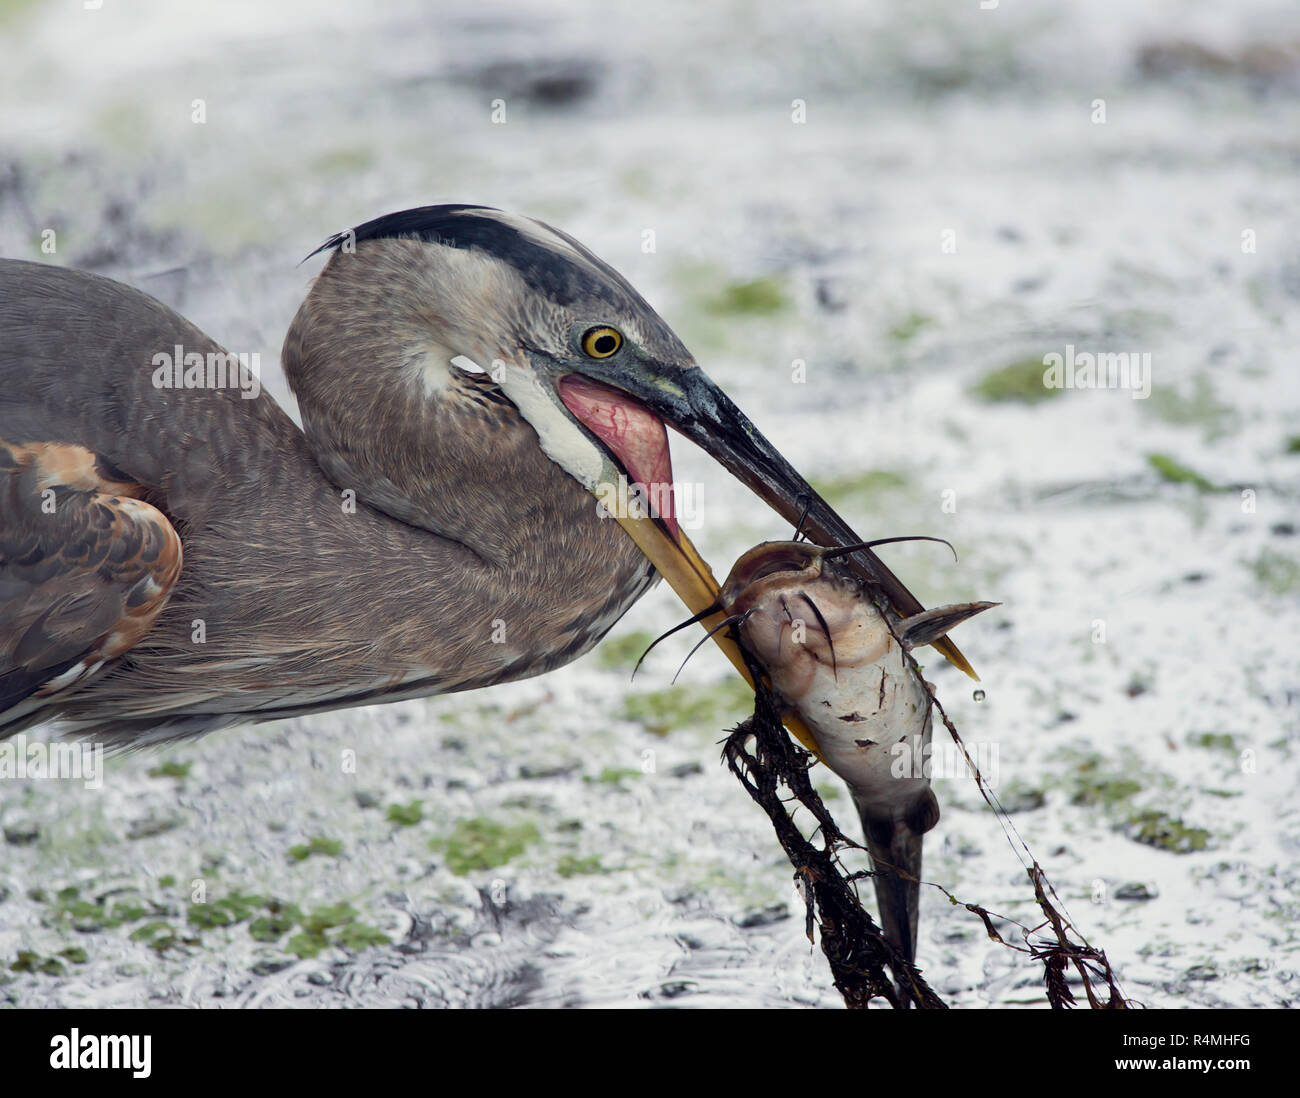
point(601, 342)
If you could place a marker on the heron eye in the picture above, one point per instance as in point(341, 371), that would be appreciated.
point(601, 342)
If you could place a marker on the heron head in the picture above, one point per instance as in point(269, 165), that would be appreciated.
point(583, 357)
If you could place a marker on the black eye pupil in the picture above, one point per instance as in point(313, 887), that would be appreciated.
point(605, 344)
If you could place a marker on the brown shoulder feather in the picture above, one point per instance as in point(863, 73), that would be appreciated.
point(85, 568)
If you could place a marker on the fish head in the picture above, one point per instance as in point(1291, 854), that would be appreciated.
point(802, 615)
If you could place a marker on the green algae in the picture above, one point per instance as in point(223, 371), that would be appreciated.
point(318, 844)
point(621, 652)
point(1166, 832)
point(1177, 473)
point(405, 815)
point(1018, 382)
point(482, 843)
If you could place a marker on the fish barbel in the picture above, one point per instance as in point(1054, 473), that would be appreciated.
point(839, 659)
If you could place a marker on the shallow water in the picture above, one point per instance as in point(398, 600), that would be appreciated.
point(638, 872)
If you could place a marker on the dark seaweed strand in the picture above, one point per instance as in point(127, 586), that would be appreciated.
point(855, 947)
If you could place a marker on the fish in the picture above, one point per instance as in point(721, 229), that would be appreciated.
point(839, 658)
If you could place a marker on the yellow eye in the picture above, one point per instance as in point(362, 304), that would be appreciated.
point(601, 342)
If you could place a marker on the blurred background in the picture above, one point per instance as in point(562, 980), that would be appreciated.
point(915, 202)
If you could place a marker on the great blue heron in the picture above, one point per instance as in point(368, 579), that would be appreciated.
point(176, 558)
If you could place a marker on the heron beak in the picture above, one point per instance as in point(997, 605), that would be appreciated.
point(693, 405)
point(635, 436)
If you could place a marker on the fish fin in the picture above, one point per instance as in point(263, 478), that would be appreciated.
point(929, 625)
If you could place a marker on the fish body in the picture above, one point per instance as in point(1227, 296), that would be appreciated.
point(840, 660)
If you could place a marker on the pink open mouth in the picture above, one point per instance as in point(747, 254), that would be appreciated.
point(633, 434)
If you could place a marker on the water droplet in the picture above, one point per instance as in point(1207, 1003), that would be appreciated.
point(978, 695)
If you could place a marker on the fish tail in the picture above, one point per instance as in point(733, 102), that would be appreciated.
point(895, 849)
point(898, 898)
